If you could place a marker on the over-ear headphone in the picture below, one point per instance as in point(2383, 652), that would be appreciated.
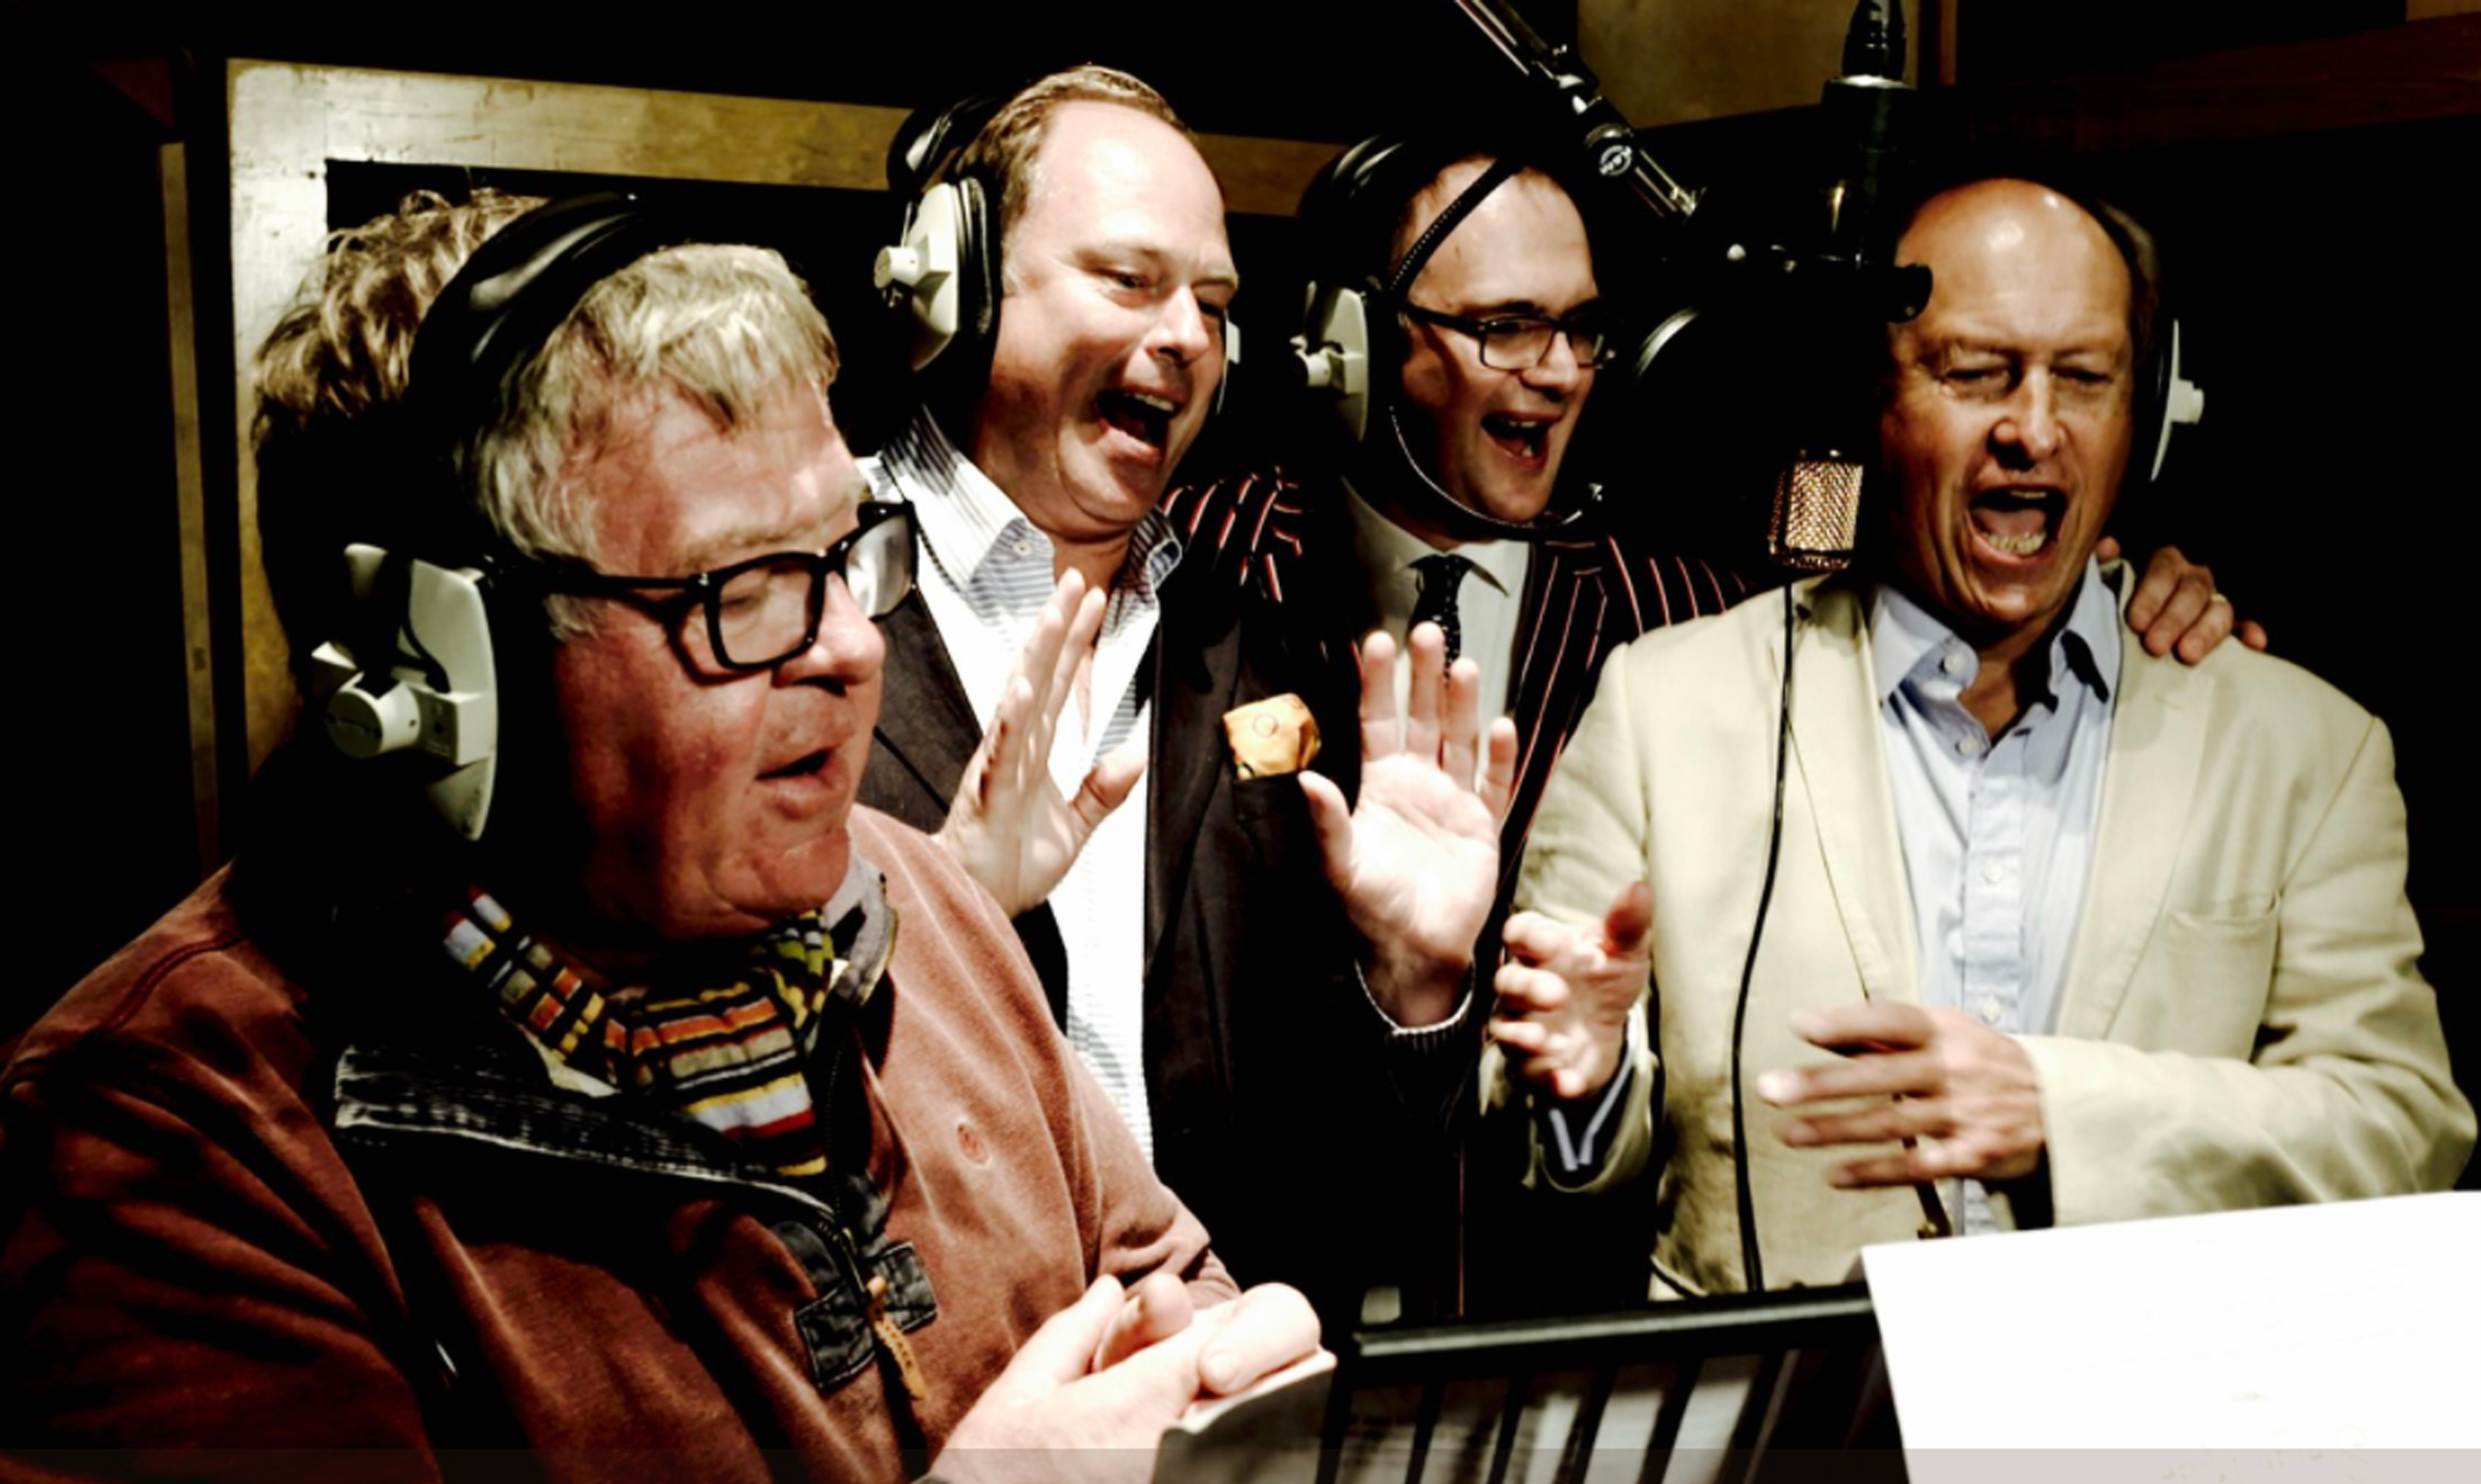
point(2164, 397)
point(1348, 215)
point(417, 673)
point(1351, 346)
point(943, 274)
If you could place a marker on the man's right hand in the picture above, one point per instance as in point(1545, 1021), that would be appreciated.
point(1565, 993)
point(1089, 1393)
point(1009, 827)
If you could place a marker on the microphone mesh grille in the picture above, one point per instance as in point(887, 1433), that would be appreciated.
point(1817, 512)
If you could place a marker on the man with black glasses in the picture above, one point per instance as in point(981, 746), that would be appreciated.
point(568, 1064)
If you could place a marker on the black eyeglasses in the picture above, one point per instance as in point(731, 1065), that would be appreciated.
point(763, 612)
point(1518, 342)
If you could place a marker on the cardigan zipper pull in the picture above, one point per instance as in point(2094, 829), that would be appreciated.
point(892, 1340)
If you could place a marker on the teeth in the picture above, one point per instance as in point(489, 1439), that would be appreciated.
point(1161, 405)
point(2024, 545)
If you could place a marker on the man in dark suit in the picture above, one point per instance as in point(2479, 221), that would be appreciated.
point(1272, 1039)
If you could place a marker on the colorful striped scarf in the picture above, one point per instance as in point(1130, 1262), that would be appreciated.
point(731, 1058)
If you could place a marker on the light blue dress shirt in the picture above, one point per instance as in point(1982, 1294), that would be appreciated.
point(1998, 831)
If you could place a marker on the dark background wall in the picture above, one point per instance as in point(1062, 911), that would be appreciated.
point(2323, 262)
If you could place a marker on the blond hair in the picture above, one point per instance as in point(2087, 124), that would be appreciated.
point(724, 328)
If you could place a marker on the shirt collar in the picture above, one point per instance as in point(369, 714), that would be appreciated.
point(965, 518)
point(1908, 644)
point(1386, 547)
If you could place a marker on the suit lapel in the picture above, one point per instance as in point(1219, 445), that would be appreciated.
point(1196, 675)
point(1559, 641)
point(1838, 752)
point(2157, 746)
point(926, 727)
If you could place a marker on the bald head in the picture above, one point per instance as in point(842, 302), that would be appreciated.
point(2007, 416)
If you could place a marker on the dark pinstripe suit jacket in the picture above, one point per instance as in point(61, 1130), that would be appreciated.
point(1584, 596)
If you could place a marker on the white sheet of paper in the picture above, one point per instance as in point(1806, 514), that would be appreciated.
point(2306, 1329)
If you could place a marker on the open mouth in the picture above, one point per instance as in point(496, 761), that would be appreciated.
point(1528, 438)
point(1142, 415)
point(2018, 523)
point(806, 764)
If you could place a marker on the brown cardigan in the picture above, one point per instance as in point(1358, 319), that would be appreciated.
point(188, 1260)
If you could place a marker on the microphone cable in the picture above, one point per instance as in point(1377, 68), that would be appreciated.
point(1752, 1270)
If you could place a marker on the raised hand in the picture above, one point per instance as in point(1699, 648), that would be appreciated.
point(1565, 993)
point(1417, 860)
point(1007, 825)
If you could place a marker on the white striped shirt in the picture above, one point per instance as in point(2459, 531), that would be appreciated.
point(990, 571)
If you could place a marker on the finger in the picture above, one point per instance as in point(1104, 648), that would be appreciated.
point(2191, 603)
point(1536, 939)
point(2212, 626)
point(1460, 729)
point(1264, 1330)
point(2253, 634)
point(1628, 922)
point(1424, 695)
point(1333, 822)
point(1027, 763)
point(1499, 768)
point(1529, 991)
point(1038, 661)
point(1382, 732)
point(1084, 622)
point(1114, 778)
point(1526, 1038)
point(1156, 1309)
point(2154, 589)
point(1875, 1075)
point(1063, 1347)
point(1882, 1123)
point(1874, 1025)
point(2106, 549)
point(1130, 1404)
point(1896, 1169)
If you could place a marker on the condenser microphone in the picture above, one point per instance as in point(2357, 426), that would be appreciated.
point(1816, 513)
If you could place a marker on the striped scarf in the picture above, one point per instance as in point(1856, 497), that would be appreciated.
point(731, 1058)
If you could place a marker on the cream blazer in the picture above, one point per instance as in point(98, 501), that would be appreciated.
point(2244, 1022)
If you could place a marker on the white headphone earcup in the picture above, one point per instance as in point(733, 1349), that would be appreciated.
point(922, 274)
point(1334, 353)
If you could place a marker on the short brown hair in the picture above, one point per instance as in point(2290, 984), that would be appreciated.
point(1003, 150)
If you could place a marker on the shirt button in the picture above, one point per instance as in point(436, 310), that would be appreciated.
point(1025, 548)
point(1967, 747)
point(1993, 872)
point(1991, 1009)
point(1956, 662)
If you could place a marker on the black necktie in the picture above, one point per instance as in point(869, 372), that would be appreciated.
point(1441, 575)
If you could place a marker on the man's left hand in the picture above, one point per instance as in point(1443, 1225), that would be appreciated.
point(1009, 827)
point(2176, 606)
point(1962, 1097)
point(1417, 860)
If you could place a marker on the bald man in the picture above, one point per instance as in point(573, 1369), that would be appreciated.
point(2059, 931)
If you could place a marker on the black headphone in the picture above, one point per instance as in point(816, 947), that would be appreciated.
point(2163, 395)
point(942, 276)
point(1351, 344)
point(416, 673)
